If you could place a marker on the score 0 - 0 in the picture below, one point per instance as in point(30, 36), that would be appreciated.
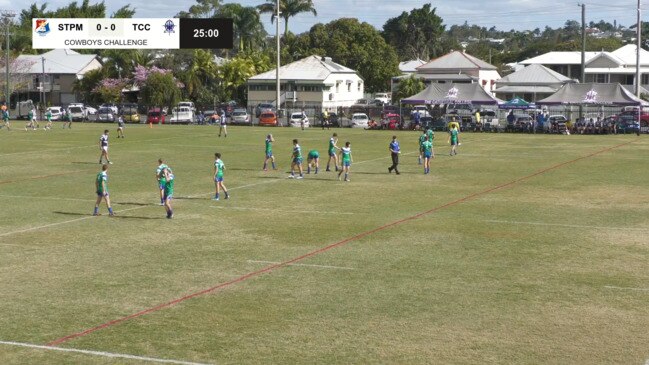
point(106, 27)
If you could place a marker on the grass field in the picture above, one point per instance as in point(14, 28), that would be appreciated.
point(521, 249)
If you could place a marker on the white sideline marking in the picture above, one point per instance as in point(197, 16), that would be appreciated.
point(284, 211)
point(566, 225)
point(117, 211)
point(307, 265)
point(100, 353)
point(60, 223)
point(46, 198)
point(623, 288)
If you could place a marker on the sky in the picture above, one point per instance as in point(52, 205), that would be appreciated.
point(503, 14)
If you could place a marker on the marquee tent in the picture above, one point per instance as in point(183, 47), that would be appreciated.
point(516, 103)
point(592, 94)
point(452, 94)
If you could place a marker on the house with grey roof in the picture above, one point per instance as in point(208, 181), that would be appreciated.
point(313, 82)
point(618, 66)
point(455, 67)
point(532, 83)
point(55, 72)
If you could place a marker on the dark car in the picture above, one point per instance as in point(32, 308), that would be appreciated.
point(628, 124)
point(262, 108)
point(332, 120)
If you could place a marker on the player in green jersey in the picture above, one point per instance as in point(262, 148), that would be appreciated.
point(454, 139)
point(313, 158)
point(219, 168)
point(169, 190)
point(31, 120)
point(48, 116)
point(101, 187)
point(431, 135)
point(332, 151)
point(296, 161)
point(427, 146)
point(422, 138)
point(5, 117)
point(159, 176)
point(346, 158)
point(269, 152)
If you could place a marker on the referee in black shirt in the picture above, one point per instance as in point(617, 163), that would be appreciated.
point(394, 152)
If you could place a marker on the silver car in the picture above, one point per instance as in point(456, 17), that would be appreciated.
point(240, 116)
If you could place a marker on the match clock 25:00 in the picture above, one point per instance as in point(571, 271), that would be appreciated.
point(206, 33)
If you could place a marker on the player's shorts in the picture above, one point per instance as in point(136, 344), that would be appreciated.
point(332, 153)
point(297, 160)
point(313, 156)
point(453, 143)
point(347, 163)
point(269, 154)
point(427, 154)
point(102, 194)
point(169, 194)
point(161, 184)
point(104, 148)
point(218, 179)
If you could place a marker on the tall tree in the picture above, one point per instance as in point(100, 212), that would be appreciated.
point(415, 34)
point(358, 46)
point(288, 9)
point(249, 33)
point(202, 9)
point(409, 86)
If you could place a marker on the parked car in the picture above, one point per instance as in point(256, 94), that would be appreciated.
point(359, 120)
point(240, 116)
point(332, 120)
point(112, 107)
point(297, 119)
point(555, 123)
point(391, 121)
point(188, 104)
point(130, 114)
point(155, 116)
point(262, 108)
point(90, 110)
point(57, 112)
point(421, 109)
point(181, 115)
point(211, 116)
point(628, 124)
point(106, 114)
point(385, 98)
point(77, 112)
point(268, 119)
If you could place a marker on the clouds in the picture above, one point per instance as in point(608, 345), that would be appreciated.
point(503, 14)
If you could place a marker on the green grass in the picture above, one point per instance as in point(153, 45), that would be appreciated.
point(533, 272)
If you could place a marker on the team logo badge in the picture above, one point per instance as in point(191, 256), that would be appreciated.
point(452, 93)
point(42, 26)
point(591, 96)
point(169, 27)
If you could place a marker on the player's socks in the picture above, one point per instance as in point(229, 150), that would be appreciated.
point(110, 211)
point(274, 168)
point(316, 170)
point(96, 212)
point(308, 170)
point(227, 196)
point(216, 197)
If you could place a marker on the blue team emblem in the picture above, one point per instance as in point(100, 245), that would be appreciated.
point(169, 26)
point(42, 27)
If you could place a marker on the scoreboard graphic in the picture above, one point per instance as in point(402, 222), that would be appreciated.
point(141, 33)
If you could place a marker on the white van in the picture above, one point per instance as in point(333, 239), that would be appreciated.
point(385, 98)
point(187, 104)
point(182, 115)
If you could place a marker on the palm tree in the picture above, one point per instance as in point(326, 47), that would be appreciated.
point(248, 29)
point(288, 9)
point(200, 72)
point(409, 86)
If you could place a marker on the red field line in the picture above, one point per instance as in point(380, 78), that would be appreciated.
point(323, 249)
point(40, 177)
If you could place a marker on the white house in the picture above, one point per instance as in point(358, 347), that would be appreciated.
point(312, 82)
point(56, 71)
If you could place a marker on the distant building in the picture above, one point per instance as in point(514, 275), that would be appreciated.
point(55, 72)
point(455, 67)
point(313, 82)
point(618, 66)
point(532, 83)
